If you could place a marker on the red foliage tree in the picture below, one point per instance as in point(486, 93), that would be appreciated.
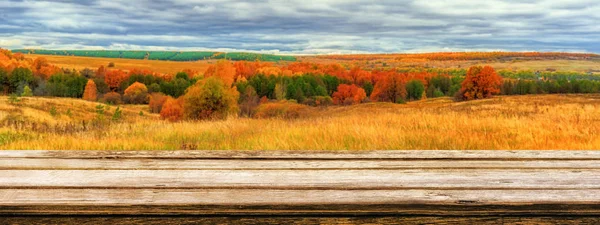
point(390, 88)
point(481, 82)
point(348, 95)
point(113, 78)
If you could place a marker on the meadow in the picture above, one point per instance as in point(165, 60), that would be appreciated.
point(502, 122)
point(473, 100)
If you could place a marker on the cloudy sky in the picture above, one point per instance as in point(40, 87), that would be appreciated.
point(303, 26)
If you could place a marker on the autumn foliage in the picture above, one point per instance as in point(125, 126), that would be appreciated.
point(282, 109)
point(224, 70)
point(481, 82)
point(112, 98)
point(91, 92)
point(389, 87)
point(210, 98)
point(157, 100)
point(113, 78)
point(348, 95)
point(172, 110)
point(136, 93)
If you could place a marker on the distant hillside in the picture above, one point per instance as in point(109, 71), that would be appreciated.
point(162, 55)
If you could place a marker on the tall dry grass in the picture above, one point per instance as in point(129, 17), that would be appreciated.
point(516, 122)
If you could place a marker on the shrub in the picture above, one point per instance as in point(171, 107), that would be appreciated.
point(348, 95)
point(210, 99)
point(112, 98)
point(111, 64)
point(480, 82)
point(91, 92)
point(53, 111)
point(13, 99)
point(414, 89)
point(137, 93)
point(157, 100)
point(282, 109)
point(323, 101)
point(117, 115)
point(27, 91)
point(172, 110)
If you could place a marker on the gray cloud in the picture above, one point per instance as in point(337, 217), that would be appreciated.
point(303, 26)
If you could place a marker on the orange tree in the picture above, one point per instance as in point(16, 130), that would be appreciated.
point(172, 109)
point(91, 92)
point(480, 82)
point(348, 95)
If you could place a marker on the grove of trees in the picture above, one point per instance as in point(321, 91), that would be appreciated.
point(240, 88)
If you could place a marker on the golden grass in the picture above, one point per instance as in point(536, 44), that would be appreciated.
point(79, 63)
point(516, 122)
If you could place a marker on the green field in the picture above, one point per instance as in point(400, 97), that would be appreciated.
point(162, 55)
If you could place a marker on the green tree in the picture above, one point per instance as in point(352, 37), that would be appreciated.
point(20, 76)
point(414, 89)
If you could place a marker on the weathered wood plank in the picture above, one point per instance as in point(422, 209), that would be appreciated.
point(384, 220)
point(293, 184)
point(240, 197)
point(244, 164)
point(312, 154)
point(303, 179)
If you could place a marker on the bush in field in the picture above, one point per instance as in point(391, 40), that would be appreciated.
point(172, 110)
point(112, 98)
point(27, 91)
point(323, 101)
point(348, 95)
point(481, 82)
point(90, 93)
point(157, 100)
point(282, 109)
point(414, 89)
point(117, 115)
point(137, 93)
point(210, 98)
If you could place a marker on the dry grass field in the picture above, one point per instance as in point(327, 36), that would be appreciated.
point(515, 122)
point(79, 63)
point(174, 67)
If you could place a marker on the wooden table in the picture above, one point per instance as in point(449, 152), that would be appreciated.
point(235, 187)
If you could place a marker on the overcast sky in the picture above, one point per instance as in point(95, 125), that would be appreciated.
point(304, 26)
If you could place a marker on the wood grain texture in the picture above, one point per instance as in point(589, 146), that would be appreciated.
point(332, 187)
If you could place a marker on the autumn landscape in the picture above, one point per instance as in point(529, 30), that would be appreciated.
point(305, 75)
point(457, 100)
